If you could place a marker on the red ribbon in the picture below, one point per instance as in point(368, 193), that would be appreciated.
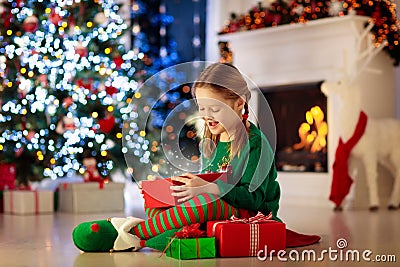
point(36, 202)
point(198, 248)
point(260, 217)
point(190, 231)
point(11, 202)
point(36, 196)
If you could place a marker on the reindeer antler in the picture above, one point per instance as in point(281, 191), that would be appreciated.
point(366, 50)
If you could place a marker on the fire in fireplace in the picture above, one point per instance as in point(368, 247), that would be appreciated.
point(299, 111)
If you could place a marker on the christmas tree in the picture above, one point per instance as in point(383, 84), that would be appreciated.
point(66, 79)
point(69, 86)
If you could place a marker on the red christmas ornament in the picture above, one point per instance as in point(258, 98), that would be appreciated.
point(30, 135)
point(19, 152)
point(42, 79)
point(81, 50)
point(30, 24)
point(118, 62)
point(111, 90)
point(81, 83)
point(68, 101)
point(107, 124)
point(54, 17)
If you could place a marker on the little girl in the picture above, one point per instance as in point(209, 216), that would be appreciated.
point(222, 96)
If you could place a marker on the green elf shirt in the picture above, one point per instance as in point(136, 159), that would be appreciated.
point(253, 185)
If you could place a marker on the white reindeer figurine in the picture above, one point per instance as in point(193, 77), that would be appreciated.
point(380, 142)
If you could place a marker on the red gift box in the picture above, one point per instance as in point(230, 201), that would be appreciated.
point(157, 193)
point(248, 237)
point(7, 176)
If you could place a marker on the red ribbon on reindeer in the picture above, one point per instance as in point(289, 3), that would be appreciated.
point(341, 180)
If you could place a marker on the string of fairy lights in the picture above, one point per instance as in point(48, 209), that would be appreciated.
point(68, 88)
point(51, 55)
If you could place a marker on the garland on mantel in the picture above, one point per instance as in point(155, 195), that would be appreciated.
point(279, 12)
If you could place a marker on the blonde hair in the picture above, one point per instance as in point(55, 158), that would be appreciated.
point(226, 80)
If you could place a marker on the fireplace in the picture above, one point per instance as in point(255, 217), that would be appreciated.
point(299, 112)
point(281, 60)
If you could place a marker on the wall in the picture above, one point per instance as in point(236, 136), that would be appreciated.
point(397, 75)
point(183, 28)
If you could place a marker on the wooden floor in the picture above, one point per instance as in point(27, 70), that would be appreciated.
point(45, 240)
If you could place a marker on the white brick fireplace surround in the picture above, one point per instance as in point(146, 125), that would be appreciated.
point(323, 50)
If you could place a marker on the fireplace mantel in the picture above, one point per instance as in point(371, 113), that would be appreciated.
point(295, 53)
point(329, 50)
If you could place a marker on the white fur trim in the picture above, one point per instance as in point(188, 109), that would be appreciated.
point(125, 240)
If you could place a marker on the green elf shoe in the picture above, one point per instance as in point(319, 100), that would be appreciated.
point(159, 242)
point(107, 235)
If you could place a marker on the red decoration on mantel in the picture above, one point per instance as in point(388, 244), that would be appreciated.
point(277, 12)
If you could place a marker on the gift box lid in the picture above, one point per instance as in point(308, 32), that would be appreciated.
point(91, 186)
point(157, 193)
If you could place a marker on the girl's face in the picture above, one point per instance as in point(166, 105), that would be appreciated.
point(221, 115)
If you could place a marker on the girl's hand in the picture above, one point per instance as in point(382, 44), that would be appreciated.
point(140, 186)
point(192, 186)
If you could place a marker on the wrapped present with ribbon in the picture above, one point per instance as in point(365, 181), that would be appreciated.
point(248, 237)
point(190, 243)
point(25, 202)
point(91, 197)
